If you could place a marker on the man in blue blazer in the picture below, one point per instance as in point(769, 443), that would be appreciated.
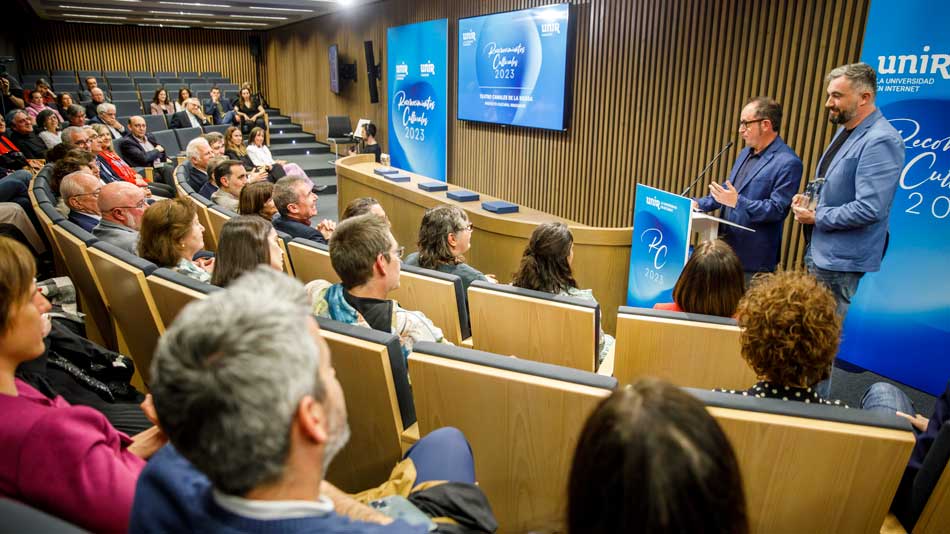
point(759, 190)
point(219, 109)
point(80, 192)
point(861, 169)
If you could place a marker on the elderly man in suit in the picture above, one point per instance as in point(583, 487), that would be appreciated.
point(191, 117)
point(80, 191)
point(759, 190)
point(140, 149)
point(122, 206)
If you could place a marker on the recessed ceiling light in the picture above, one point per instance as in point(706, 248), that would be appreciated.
point(183, 14)
point(193, 4)
point(83, 15)
point(281, 9)
point(163, 26)
point(88, 8)
point(257, 17)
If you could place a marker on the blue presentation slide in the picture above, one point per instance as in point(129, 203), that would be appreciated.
point(512, 67)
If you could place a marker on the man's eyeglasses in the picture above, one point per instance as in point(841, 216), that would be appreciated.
point(138, 206)
point(745, 124)
point(468, 226)
point(398, 252)
point(93, 193)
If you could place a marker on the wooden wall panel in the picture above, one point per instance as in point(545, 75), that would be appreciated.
point(57, 45)
point(657, 90)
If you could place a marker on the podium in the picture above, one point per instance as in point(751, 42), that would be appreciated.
point(707, 227)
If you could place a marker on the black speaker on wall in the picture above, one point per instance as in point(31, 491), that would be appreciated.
point(255, 45)
point(372, 72)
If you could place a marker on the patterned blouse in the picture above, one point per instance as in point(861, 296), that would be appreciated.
point(767, 390)
point(191, 270)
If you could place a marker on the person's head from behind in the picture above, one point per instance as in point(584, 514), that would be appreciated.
point(80, 191)
point(789, 329)
point(230, 176)
point(364, 252)
point(712, 282)
point(199, 152)
point(546, 262)
point(170, 232)
point(444, 236)
point(362, 206)
point(244, 387)
point(246, 242)
point(123, 203)
point(74, 160)
point(258, 199)
point(295, 199)
point(23, 324)
point(652, 459)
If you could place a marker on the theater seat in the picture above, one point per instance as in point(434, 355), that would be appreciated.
point(172, 291)
point(202, 205)
point(156, 123)
point(438, 295)
point(218, 216)
point(19, 517)
point(168, 140)
point(311, 261)
point(185, 135)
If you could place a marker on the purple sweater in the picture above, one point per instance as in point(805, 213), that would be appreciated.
point(66, 460)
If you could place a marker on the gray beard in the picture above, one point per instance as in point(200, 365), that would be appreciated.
point(335, 445)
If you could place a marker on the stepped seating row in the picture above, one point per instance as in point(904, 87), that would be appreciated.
point(144, 91)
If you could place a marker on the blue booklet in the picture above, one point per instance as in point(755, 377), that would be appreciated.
point(433, 186)
point(398, 177)
point(383, 171)
point(462, 195)
point(500, 206)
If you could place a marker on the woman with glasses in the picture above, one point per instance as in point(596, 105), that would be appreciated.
point(112, 168)
point(47, 127)
point(445, 235)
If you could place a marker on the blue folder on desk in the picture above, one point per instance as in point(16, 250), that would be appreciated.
point(383, 171)
point(433, 186)
point(500, 206)
point(398, 177)
point(462, 195)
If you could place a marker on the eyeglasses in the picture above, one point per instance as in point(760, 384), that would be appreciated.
point(743, 125)
point(468, 227)
point(140, 205)
point(93, 193)
point(397, 253)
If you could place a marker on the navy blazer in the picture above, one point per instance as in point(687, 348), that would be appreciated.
point(136, 156)
point(298, 229)
point(82, 220)
point(196, 178)
point(765, 197)
point(855, 202)
point(181, 120)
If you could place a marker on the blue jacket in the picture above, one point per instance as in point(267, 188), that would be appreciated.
point(765, 197)
point(82, 220)
point(855, 202)
point(298, 229)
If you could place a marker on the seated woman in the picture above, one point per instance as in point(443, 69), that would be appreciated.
point(63, 101)
point(234, 147)
point(258, 199)
point(712, 282)
point(171, 235)
point(246, 242)
point(260, 156)
point(161, 105)
point(112, 168)
point(183, 94)
point(37, 105)
point(444, 236)
point(789, 334)
point(65, 460)
point(47, 127)
point(546, 266)
point(651, 459)
point(249, 112)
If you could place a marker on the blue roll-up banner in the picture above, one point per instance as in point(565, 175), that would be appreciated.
point(899, 321)
point(660, 245)
point(417, 64)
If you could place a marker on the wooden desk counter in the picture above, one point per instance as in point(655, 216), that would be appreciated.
point(601, 255)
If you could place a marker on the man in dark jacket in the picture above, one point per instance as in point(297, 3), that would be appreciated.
point(219, 109)
point(140, 149)
point(24, 137)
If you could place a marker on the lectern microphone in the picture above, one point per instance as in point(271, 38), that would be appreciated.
point(714, 160)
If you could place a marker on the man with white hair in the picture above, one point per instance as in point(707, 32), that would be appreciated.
point(245, 390)
point(199, 154)
point(80, 191)
point(76, 137)
point(190, 117)
point(105, 114)
point(122, 206)
point(23, 135)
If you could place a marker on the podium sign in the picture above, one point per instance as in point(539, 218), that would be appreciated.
point(660, 245)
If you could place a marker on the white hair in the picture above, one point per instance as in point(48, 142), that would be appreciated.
point(105, 107)
point(192, 149)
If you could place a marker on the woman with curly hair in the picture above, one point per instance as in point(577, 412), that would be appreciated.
point(546, 265)
point(789, 336)
point(712, 282)
point(444, 236)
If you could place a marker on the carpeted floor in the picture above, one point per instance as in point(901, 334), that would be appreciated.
point(849, 382)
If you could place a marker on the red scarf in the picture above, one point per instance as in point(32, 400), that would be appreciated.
point(119, 167)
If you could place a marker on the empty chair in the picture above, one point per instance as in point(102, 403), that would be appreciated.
point(188, 74)
point(124, 86)
point(210, 74)
point(687, 349)
point(166, 138)
point(370, 367)
point(192, 80)
point(200, 87)
point(125, 95)
point(181, 182)
point(339, 131)
point(438, 295)
point(311, 261)
point(535, 325)
point(172, 84)
point(155, 123)
point(229, 89)
point(127, 107)
point(185, 135)
point(220, 128)
point(217, 216)
point(165, 74)
point(172, 291)
point(121, 278)
point(147, 89)
point(139, 74)
point(86, 73)
point(115, 73)
point(19, 517)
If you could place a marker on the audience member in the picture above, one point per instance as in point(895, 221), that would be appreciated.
point(76, 159)
point(652, 459)
point(98, 97)
point(91, 83)
point(712, 282)
point(546, 265)
point(47, 127)
point(161, 105)
point(170, 236)
point(219, 109)
point(260, 156)
point(75, 115)
point(23, 135)
point(65, 460)
point(11, 92)
point(249, 111)
point(199, 154)
point(366, 257)
point(296, 205)
point(183, 94)
point(122, 206)
point(246, 242)
point(254, 459)
point(445, 235)
point(369, 146)
point(54, 154)
point(112, 168)
point(362, 206)
point(258, 199)
point(216, 142)
point(141, 149)
point(105, 114)
point(231, 179)
point(234, 149)
point(42, 87)
point(38, 104)
point(789, 334)
point(190, 117)
point(75, 137)
point(63, 101)
point(80, 191)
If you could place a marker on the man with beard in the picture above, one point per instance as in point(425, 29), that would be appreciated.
point(244, 387)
